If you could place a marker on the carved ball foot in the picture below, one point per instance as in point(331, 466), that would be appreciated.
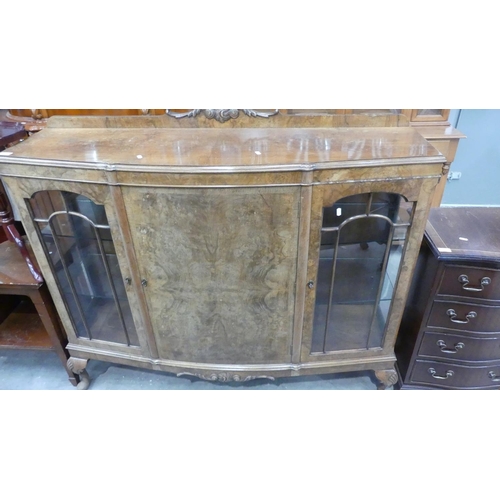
point(77, 366)
point(84, 381)
point(386, 378)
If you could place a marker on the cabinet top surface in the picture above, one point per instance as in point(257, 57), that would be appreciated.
point(224, 147)
point(465, 233)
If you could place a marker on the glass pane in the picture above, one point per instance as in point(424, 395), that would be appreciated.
point(427, 112)
point(361, 248)
point(78, 243)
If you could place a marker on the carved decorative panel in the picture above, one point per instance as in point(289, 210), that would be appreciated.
point(222, 115)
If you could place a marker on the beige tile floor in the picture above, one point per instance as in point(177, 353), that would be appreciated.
point(26, 369)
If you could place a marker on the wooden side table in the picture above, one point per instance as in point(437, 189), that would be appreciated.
point(10, 133)
point(19, 275)
point(16, 279)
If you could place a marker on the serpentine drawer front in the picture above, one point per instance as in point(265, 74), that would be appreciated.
point(450, 332)
point(448, 375)
point(472, 282)
point(223, 252)
point(460, 347)
point(465, 316)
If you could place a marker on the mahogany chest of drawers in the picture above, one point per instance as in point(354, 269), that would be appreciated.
point(450, 332)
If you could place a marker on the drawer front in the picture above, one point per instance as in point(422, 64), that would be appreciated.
point(460, 347)
point(471, 282)
point(449, 375)
point(465, 317)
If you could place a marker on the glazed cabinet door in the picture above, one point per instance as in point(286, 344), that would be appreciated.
point(427, 116)
point(357, 248)
point(219, 270)
point(78, 245)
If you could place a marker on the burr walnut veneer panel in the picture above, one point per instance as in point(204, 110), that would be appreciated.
point(218, 262)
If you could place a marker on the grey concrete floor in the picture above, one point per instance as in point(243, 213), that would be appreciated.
point(26, 369)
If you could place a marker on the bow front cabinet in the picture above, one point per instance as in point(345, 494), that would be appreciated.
point(228, 254)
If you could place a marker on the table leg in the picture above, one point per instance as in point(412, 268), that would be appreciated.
point(48, 314)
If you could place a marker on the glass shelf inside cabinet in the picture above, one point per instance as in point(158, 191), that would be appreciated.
point(77, 240)
point(362, 244)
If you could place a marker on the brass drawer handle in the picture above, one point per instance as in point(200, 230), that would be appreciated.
point(448, 374)
point(494, 377)
point(464, 279)
point(453, 315)
point(442, 345)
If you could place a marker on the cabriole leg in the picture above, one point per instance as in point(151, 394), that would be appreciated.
point(387, 378)
point(77, 366)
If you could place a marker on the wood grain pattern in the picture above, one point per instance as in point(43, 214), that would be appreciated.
point(220, 270)
point(280, 121)
point(468, 233)
point(13, 268)
point(223, 239)
point(404, 116)
point(23, 328)
point(432, 126)
point(223, 147)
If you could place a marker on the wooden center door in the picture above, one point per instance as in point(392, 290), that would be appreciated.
point(218, 268)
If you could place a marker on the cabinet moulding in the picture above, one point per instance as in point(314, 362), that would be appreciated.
point(225, 377)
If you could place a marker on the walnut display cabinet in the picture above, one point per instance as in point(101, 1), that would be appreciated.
point(228, 253)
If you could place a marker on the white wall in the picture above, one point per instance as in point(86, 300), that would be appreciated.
point(477, 158)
